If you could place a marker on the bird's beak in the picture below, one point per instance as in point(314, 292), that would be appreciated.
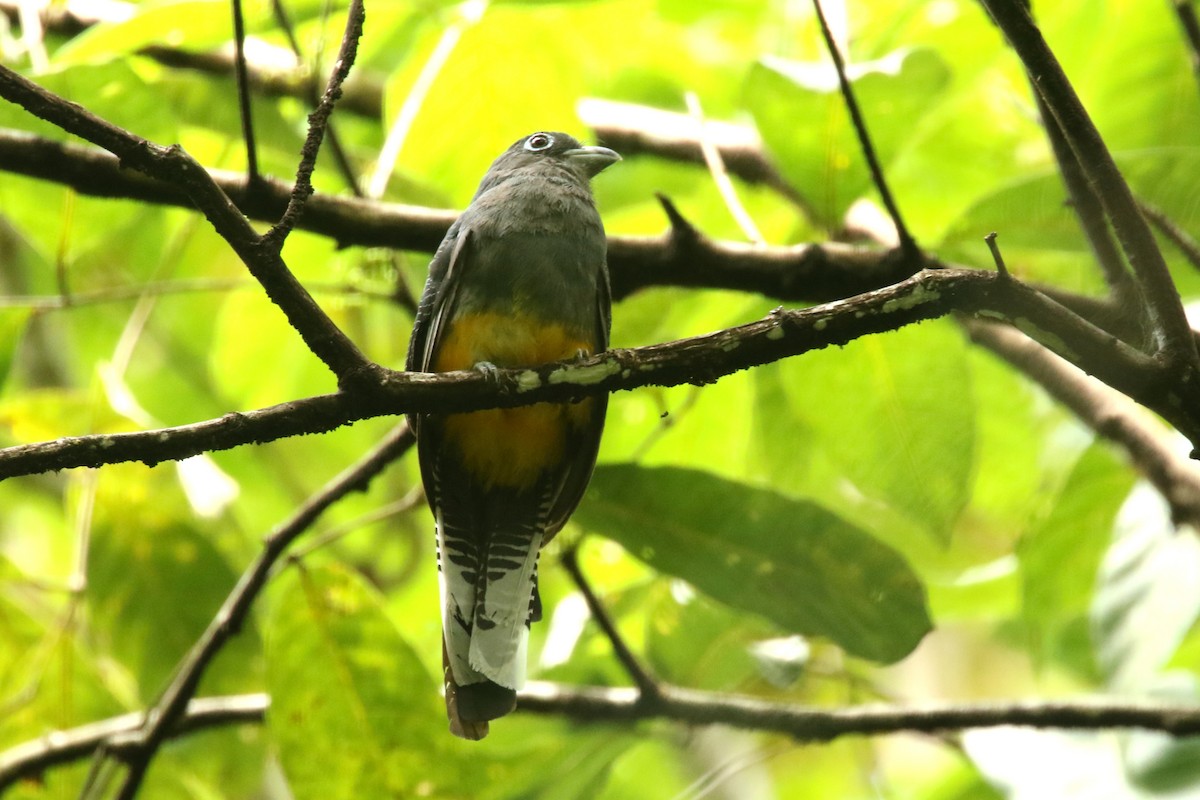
point(592, 160)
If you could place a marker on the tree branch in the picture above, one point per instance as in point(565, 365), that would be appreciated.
point(29, 760)
point(243, 90)
point(137, 749)
point(174, 166)
point(809, 724)
point(647, 685)
point(1165, 306)
point(907, 244)
point(697, 360)
point(689, 707)
point(317, 122)
point(1186, 12)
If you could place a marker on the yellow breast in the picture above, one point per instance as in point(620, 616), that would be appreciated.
point(511, 447)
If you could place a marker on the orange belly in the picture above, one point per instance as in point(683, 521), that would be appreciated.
point(511, 447)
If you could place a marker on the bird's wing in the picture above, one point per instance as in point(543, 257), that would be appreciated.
point(584, 445)
point(441, 290)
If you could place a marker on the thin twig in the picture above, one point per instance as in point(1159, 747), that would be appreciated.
point(907, 244)
point(1186, 12)
point(1001, 267)
point(716, 168)
point(317, 122)
point(243, 89)
point(313, 97)
point(29, 760)
point(808, 724)
point(1182, 240)
point(138, 750)
point(1090, 212)
point(647, 684)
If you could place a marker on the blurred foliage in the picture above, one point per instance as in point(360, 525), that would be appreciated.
point(903, 517)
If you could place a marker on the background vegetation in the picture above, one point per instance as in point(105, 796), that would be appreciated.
point(924, 515)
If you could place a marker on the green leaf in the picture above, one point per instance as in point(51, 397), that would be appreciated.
point(12, 325)
point(790, 561)
point(354, 713)
point(894, 411)
point(800, 113)
point(194, 23)
point(1076, 531)
point(1147, 596)
point(154, 585)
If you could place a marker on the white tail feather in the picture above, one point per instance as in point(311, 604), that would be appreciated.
point(458, 600)
point(501, 636)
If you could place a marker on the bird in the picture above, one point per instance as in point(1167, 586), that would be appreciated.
point(520, 279)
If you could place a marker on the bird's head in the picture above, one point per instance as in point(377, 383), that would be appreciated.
point(555, 147)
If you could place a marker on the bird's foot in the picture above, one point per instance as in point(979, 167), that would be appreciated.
point(489, 370)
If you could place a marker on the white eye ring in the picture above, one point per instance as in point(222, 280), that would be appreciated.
point(539, 142)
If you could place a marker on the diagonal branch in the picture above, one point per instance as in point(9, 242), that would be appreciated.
point(243, 89)
point(1185, 10)
point(138, 748)
point(318, 120)
point(174, 166)
point(1162, 296)
point(646, 683)
point(907, 244)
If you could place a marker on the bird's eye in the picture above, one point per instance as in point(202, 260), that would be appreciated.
point(539, 142)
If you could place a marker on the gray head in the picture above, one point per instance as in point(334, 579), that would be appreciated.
point(551, 149)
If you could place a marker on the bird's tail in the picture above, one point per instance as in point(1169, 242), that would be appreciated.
point(487, 594)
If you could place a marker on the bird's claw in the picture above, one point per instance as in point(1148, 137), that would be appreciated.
point(489, 370)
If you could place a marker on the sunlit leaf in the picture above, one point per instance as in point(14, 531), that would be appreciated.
point(788, 560)
point(354, 713)
point(1077, 531)
point(803, 120)
point(1148, 592)
point(894, 411)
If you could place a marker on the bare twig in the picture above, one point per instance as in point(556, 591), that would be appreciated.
point(646, 683)
point(1182, 240)
point(907, 244)
point(1162, 296)
point(243, 89)
point(1185, 10)
point(1090, 212)
point(1001, 267)
point(317, 122)
point(820, 725)
point(29, 760)
point(137, 749)
point(312, 95)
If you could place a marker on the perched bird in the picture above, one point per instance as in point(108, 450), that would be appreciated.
point(520, 279)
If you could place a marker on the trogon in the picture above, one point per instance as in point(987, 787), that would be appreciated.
point(520, 279)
